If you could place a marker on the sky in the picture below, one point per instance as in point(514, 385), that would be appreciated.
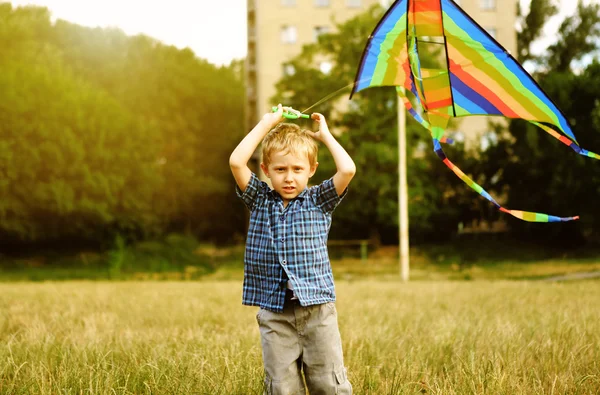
point(214, 29)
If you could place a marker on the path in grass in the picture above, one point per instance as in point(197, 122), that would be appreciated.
point(574, 276)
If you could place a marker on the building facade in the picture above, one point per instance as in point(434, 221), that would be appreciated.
point(277, 30)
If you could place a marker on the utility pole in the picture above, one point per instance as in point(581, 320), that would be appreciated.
point(402, 193)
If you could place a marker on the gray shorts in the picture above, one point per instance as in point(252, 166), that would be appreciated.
point(302, 340)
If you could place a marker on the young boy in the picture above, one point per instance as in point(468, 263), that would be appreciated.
point(287, 270)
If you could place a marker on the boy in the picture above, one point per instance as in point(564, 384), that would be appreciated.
point(287, 270)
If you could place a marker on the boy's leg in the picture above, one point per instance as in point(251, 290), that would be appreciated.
point(281, 352)
point(322, 352)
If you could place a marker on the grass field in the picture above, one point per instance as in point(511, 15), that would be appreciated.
point(434, 337)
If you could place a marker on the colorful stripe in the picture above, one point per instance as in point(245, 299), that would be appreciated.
point(479, 77)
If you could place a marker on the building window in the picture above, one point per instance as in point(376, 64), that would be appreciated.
point(288, 69)
point(488, 5)
point(325, 67)
point(491, 31)
point(289, 35)
point(353, 3)
point(318, 30)
point(288, 3)
point(321, 3)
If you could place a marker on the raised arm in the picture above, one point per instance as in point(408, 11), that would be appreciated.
point(238, 161)
point(343, 162)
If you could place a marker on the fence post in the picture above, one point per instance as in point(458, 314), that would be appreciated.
point(363, 250)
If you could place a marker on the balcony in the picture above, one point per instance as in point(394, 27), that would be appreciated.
point(251, 33)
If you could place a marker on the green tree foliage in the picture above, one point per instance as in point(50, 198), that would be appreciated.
point(438, 201)
point(545, 175)
point(542, 174)
point(104, 133)
point(579, 37)
point(540, 11)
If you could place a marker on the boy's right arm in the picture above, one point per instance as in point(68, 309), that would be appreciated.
point(238, 161)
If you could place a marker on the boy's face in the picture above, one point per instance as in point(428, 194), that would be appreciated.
point(289, 173)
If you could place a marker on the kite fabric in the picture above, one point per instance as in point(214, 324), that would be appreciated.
point(478, 77)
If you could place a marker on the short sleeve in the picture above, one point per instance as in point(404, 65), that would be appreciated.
point(254, 191)
point(326, 196)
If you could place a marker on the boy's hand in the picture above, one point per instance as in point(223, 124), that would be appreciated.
point(323, 132)
point(273, 118)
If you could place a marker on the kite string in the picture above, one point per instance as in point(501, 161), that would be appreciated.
point(329, 96)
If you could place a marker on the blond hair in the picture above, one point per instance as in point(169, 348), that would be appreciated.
point(288, 137)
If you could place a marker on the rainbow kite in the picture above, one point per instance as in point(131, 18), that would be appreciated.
point(478, 77)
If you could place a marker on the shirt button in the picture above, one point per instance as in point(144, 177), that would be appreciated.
point(284, 261)
point(282, 218)
point(282, 239)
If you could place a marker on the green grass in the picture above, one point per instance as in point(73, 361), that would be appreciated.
point(421, 269)
point(435, 337)
point(466, 260)
point(178, 257)
point(175, 257)
point(182, 258)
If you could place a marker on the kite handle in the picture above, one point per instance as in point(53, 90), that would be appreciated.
point(290, 113)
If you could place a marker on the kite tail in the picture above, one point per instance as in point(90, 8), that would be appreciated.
point(523, 215)
point(572, 144)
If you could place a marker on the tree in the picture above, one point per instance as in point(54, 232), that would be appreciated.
point(102, 133)
point(72, 160)
point(532, 25)
point(579, 36)
point(541, 174)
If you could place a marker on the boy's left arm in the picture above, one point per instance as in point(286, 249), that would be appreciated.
point(343, 162)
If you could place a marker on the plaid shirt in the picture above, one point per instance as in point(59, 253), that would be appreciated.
point(288, 244)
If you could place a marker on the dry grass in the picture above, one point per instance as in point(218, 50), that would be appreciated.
point(476, 337)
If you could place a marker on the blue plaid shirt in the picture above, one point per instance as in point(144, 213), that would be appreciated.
point(288, 244)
